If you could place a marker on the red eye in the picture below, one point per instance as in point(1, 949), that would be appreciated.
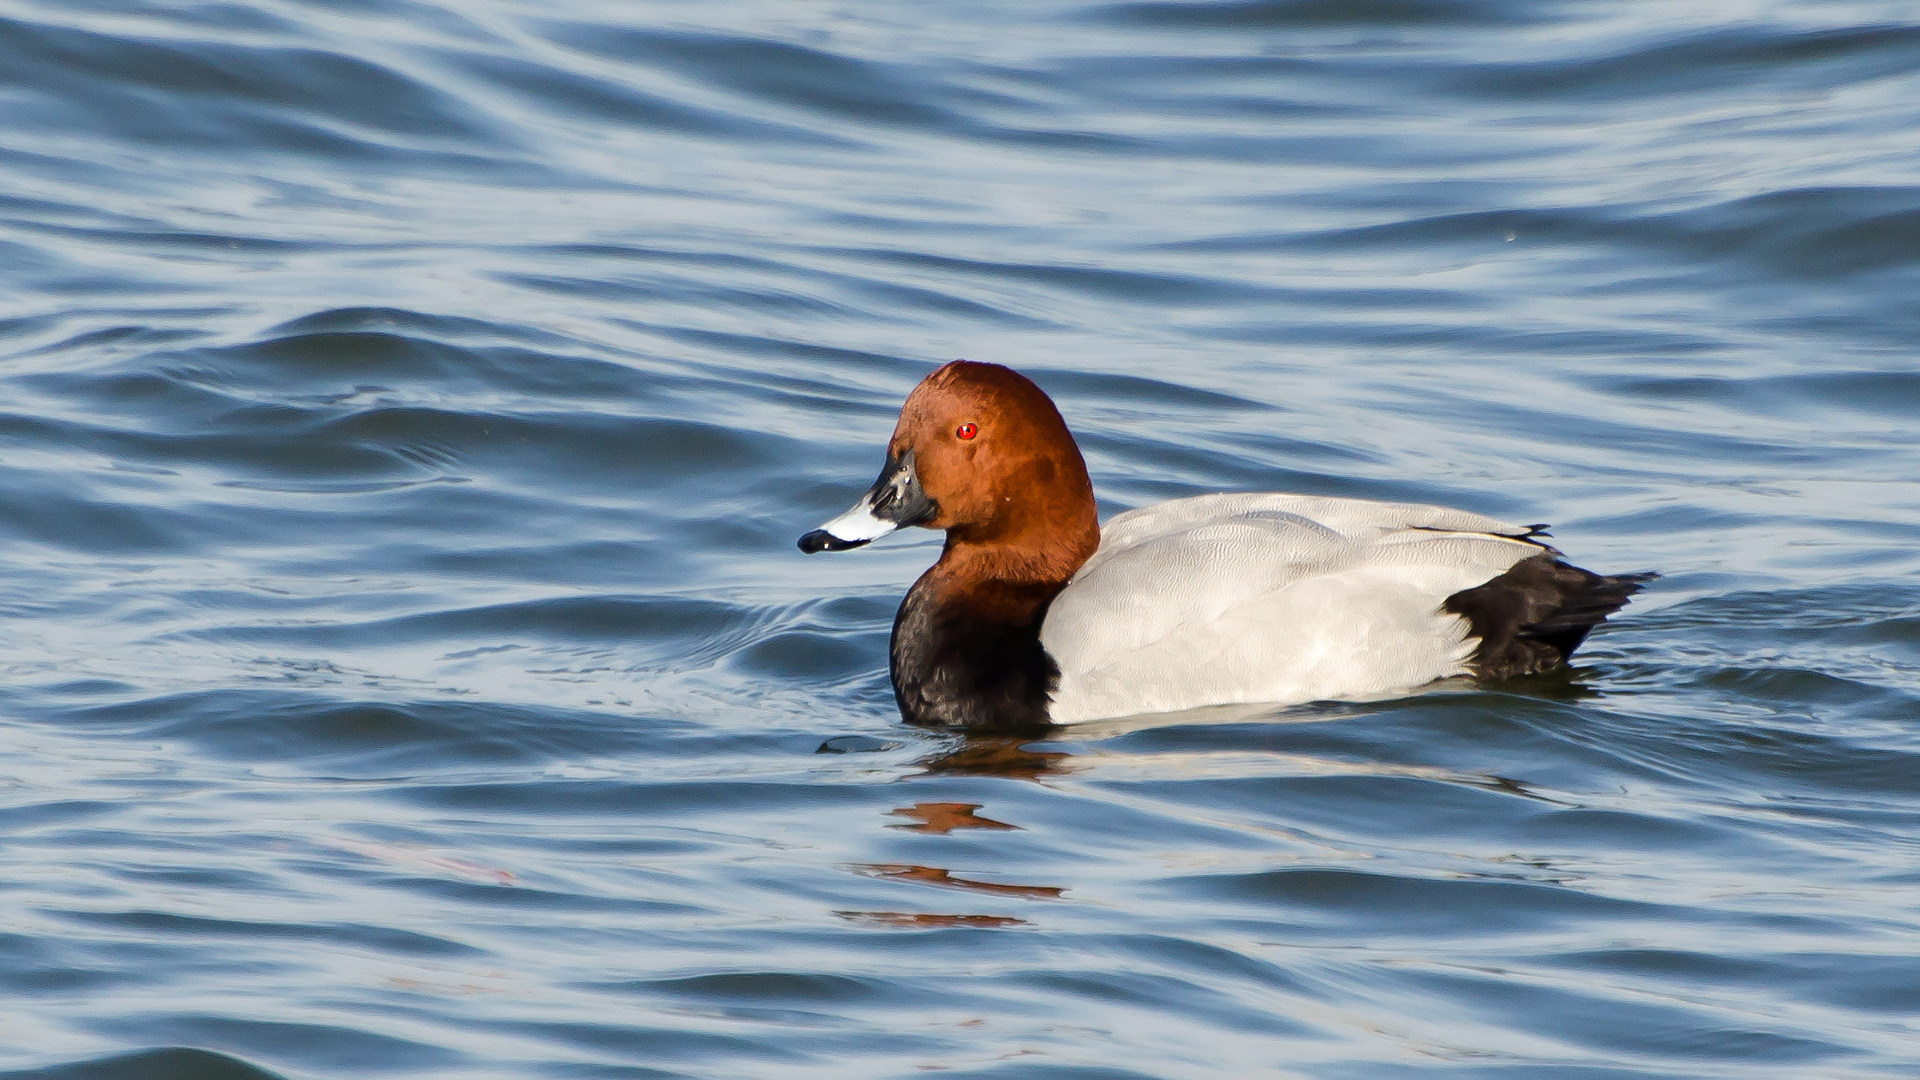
point(967, 431)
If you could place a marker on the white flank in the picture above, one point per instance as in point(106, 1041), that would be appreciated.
point(1268, 598)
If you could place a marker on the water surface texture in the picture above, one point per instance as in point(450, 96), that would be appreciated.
point(407, 410)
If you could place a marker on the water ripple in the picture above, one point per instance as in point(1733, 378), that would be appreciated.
point(407, 411)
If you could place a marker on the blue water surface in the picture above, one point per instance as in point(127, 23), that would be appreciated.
point(407, 409)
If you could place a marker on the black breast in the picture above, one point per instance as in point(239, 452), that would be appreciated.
point(973, 661)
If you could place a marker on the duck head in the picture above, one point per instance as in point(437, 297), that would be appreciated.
point(981, 453)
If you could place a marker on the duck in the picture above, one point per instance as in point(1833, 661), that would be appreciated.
point(1036, 615)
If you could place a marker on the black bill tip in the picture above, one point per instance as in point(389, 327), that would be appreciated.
point(822, 540)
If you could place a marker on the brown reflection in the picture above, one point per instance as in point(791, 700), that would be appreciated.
point(933, 875)
point(999, 756)
point(944, 817)
point(912, 919)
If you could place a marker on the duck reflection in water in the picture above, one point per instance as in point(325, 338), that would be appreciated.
point(980, 755)
point(934, 875)
point(1013, 758)
point(941, 818)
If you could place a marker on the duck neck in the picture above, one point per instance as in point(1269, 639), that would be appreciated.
point(966, 642)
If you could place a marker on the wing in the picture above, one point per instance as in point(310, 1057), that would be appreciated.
point(1353, 518)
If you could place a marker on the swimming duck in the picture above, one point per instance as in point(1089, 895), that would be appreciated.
point(1035, 615)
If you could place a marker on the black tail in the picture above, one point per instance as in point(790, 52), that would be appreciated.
point(1532, 617)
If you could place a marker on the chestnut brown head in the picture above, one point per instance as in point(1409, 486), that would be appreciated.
point(982, 453)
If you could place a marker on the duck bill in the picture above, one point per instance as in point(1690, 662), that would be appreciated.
point(894, 501)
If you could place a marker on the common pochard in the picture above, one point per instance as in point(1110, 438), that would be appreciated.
point(1034, 614)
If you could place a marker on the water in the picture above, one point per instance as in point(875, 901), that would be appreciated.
point(407, 410)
